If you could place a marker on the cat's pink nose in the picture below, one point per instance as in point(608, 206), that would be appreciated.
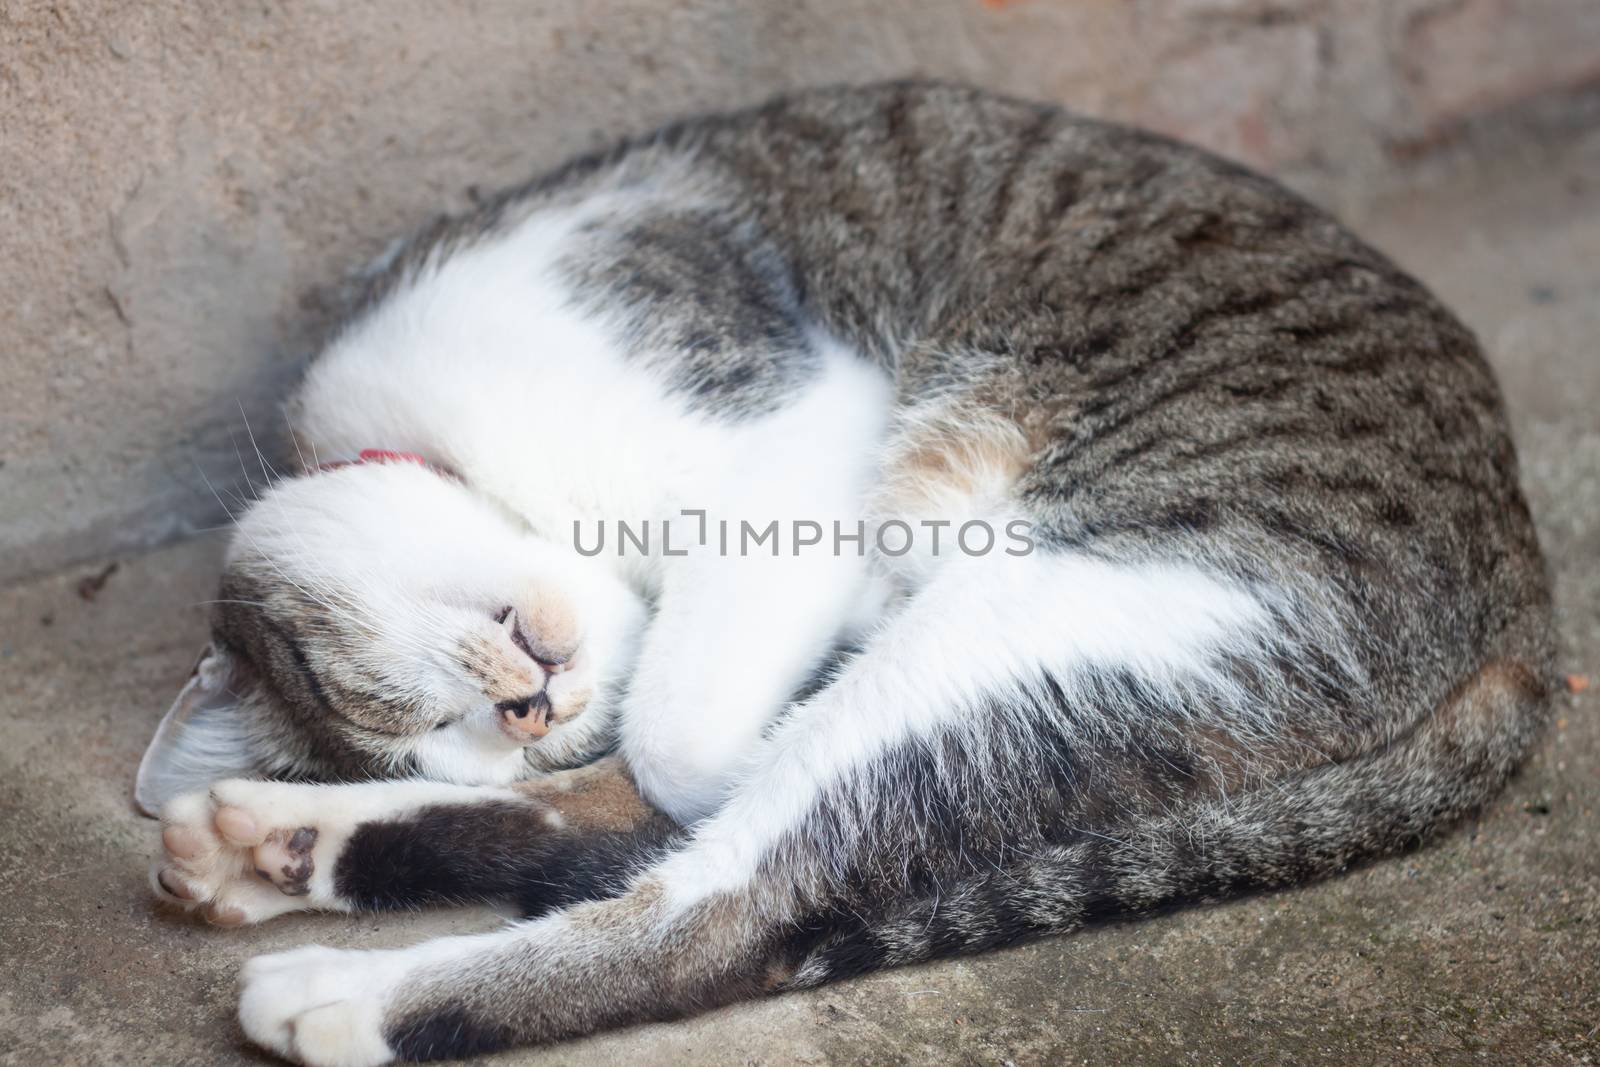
point(530, 717)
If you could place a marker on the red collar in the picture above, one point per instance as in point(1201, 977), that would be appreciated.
point(376, 455)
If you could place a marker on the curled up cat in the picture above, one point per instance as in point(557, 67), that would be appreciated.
point(883, 524)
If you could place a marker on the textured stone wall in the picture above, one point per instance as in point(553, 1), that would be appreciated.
point(183, 183)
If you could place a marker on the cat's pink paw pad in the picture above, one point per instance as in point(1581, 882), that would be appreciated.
point(240, 852)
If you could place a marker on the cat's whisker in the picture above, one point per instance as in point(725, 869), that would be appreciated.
point(200, 470)
point(268, 474)
point(294, 439)
point(244, 469)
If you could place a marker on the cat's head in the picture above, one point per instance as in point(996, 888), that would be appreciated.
point(384, 620)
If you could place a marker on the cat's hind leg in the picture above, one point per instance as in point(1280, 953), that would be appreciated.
point(946, 746)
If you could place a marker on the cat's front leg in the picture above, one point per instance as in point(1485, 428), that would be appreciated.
point(245, 851)
point(733, 639)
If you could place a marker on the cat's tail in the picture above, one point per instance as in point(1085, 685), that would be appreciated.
point(1308, 826)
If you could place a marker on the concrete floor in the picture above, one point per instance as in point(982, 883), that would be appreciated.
point(1484, 948)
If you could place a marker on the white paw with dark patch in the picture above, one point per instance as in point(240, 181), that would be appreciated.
point(245, 851)
point(319, 1006)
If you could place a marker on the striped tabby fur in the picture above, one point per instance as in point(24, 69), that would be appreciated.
point(1285, 609)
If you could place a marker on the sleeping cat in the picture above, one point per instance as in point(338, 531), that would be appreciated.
point(1260, 596)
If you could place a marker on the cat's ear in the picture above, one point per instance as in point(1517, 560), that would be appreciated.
point(200, 739)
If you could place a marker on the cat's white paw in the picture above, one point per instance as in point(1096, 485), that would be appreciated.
point(321, 1007)
point(244, 851)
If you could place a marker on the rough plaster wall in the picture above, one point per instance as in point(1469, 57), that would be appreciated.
point(184, 183)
